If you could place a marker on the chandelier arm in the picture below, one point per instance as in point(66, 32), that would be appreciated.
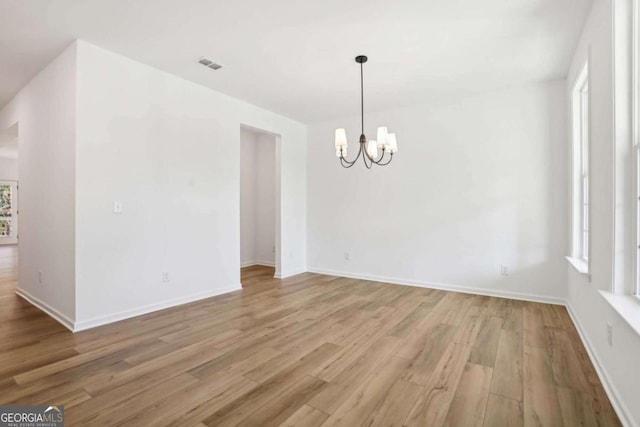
point(378, 162)
point(343, 158)
point(364, 159)
point(346, 164)
point(388, 161)
point(344, 161)
point(371, 159)
point(368, 166)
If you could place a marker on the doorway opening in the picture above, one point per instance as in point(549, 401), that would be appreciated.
point(9, 186)
point(259, 213)
point(9, 210)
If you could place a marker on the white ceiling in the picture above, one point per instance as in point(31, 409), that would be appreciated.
point(295, 57)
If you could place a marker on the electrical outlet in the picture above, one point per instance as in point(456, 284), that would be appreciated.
point(117, 207)
point(504, 270)
point(610, 334)
point(39, 276)
point(347, 256)
point(165, 276)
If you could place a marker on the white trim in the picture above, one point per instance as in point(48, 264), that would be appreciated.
point(55, 314)
point(623, 254)
point(443, 286)
point(127, 314)
point(609, 388)
point(280, 275)
point(580, 162)
point(262, 263)
point(580, 265)
point(277, 264)
point(635, 142)
point(627, 306)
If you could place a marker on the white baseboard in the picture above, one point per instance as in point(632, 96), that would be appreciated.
point(609, 388)
point(55, 314)
point(127, 314)
point(262, 263)
point(281, 275)
point(443, 286)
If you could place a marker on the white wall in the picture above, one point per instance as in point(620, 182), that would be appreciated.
point(257, 198)
point(618, 364)
point(170, 151)
point(45, 112)
point(477, 183)
point(8, 169)
point(248, 203)
point(266, 198)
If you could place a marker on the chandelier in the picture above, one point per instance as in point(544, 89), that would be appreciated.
point(373, 152)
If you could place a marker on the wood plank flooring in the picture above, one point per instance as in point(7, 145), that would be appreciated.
point(310, 350)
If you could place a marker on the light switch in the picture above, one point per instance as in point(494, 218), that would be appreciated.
point(117, 207)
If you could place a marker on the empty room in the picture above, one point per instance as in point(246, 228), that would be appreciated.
point(406, 213)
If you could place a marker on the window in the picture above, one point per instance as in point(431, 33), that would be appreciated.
point(580, 245)
point(622, 294)
point(8, 211)
point(584, 169)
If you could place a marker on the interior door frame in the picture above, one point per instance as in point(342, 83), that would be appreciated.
point(278, 178)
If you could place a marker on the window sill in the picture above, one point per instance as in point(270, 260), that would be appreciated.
point(580, 265)
point(627, 306)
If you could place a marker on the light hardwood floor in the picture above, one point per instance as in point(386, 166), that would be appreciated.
point(311, 350)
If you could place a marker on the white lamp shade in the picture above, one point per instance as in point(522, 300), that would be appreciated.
point(341, 138)
point(393, 143)
point(372, 149)
point(382, 136)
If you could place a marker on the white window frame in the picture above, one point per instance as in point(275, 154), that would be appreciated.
point(622, 294)
point(635, 127)
point(579, 257)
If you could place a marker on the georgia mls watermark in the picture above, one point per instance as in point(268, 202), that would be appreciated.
point(32, 416)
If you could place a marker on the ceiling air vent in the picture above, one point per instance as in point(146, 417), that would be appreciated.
point(209, 64)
